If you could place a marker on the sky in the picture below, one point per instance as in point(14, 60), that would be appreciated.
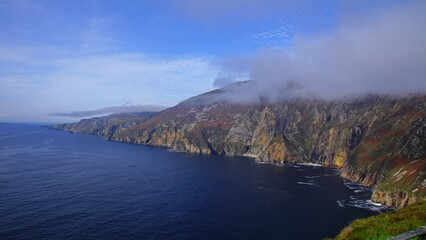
point(64, 57)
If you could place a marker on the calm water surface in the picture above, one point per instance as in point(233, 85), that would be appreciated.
point(56, 185)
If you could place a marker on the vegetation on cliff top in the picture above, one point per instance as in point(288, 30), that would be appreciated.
point(386, 225)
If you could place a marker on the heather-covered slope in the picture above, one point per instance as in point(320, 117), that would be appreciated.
point(378, 141)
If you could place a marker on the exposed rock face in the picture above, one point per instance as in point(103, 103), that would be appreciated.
point(106, 126)
point(398, 199)
point(378, 141)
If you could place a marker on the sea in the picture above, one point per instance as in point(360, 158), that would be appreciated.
point(58, 185)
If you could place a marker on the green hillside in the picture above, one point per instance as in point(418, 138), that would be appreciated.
point(386, 225)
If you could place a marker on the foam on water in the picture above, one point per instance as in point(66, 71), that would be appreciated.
point(309, 183)
point(366, 204)
point(360, 199)
point(357, 187)
point(341, 203)
point(310, 177)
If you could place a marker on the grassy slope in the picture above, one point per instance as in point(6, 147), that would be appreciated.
point(386, 225)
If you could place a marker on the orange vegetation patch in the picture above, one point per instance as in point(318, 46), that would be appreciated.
point(279, 137)
point(409, 178)
point(415, 165)
point(371, 141)
point(419, 163)
point(381, 159)
point(364, 157)
point(395, 132)
point(400, 161)
point(219, 123)
point(362, 153)
point(158, 119)
point(365, 160)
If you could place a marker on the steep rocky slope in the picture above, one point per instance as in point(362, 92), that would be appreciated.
point(106, 126)
point(378, 140)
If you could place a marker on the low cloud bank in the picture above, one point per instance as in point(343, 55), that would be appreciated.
point(126, 108)
point(379, 53)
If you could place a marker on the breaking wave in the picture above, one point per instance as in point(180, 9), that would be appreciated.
point(354, 201)
point(358, 200)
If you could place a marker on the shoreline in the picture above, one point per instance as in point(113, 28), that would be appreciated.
point(249, 156)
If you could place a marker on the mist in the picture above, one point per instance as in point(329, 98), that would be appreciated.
point(383, 52)
point(126, 108)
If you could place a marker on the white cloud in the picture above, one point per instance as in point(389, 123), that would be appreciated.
point(94, 81)
point(383, 52)
point(83, 68)
point(126, 108)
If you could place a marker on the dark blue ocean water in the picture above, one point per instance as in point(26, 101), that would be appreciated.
point(56, 185)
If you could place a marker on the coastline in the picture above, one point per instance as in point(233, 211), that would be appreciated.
point(253, 157)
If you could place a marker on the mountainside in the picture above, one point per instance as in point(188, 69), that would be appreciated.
point(378, 140)
point(106, 126)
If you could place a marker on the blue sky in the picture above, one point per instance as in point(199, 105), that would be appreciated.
point(62, 56)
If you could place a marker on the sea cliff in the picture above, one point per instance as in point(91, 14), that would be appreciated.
point(376, 140)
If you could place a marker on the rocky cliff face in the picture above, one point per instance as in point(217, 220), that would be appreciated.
point(106, 126)
point(378, 141)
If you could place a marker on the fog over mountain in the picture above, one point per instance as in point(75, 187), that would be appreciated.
point(383, 52)
point(126, 108)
